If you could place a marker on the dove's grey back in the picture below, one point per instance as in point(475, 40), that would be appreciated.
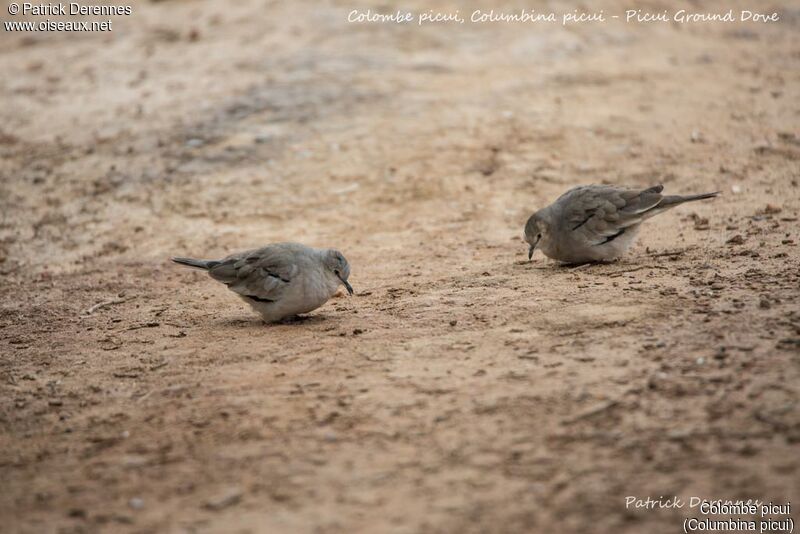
point(264, 273)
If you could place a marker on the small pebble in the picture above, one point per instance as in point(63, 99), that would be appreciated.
point(224, 500)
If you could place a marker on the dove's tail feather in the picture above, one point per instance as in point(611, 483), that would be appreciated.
point(197, 264)
point(673, 200)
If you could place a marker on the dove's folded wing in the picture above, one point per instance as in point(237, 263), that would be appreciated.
point(262, 274)
point(599, 214)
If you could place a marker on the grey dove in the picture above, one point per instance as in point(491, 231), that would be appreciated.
point(280, 280)
point(593, 223)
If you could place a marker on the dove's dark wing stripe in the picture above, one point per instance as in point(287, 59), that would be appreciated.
point(279, 277)
point(589, 216)
point(612, 237)
point(258, 299)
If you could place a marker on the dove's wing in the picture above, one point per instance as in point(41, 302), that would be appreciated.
point(262, 274)
point(599, 214)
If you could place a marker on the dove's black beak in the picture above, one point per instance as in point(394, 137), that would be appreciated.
point(347, 286)
point(530, 252)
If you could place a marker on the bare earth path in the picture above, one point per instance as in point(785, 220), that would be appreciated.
point(462, 389)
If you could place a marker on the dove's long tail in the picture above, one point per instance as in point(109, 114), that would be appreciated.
point(197, 264)
point(673, 200)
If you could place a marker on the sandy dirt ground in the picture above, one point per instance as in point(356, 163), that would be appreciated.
point(462, 388)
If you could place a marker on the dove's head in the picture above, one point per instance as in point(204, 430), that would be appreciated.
point(533, 232)
point(336, 264)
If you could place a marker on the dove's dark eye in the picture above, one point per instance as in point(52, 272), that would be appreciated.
point(336, 272)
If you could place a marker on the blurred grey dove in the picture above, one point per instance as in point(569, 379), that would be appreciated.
point(280, 280)
point(595, 223)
